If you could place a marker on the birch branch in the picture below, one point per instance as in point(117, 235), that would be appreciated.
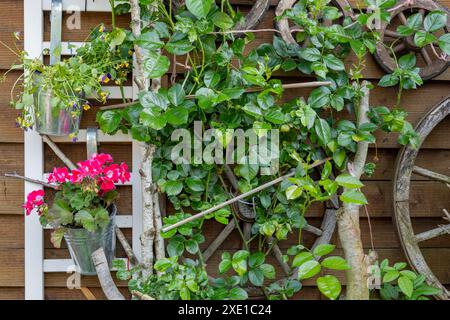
point(298, 85)
point(141, 296)
point(348, 216)
point(104, 276)
point(240, 197)
point(126, 247)
point(40, 182)
point(139, 78)
point(58, 152)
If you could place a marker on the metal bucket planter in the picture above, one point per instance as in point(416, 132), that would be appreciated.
point(50, 120)
point(83, 243)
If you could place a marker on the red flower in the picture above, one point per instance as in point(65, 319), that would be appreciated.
point(124, 174)
point(107, 185)
point(35, 199)
point(59, 175)
point(76, 176)
point(103, 158)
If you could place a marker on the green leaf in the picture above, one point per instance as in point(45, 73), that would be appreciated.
point(117, 36)
point(237, 293)
point(353, 196)
point(153, 120)
point(163, 264)
point(175, 247)
point(319, 97)
point(425, 290)
point(84, 218)
point(109, 121)
point(391, 275)
point(323, 249)
point(407, 61)
point(150, 40)
point(435, 20)
point(224, 266)
point(293, 192)
point(308, 269)
point(61, 212)
point(173, 188)
point(333, 62)
point(307, 116)
point(177, 116)
point(275, 116)
point(414, 21)
point(156, 65)
point(423, 38)
point(339, 157)
point(301, 258)
point(388, 80)
point(310, 54)
point(329, 286)
point(179, 47)
point(101, 217)
point(256, 259)
point(222, 20)
point(268, 270)
point(335, 263)
point(348, 181)
point(199, 8)
point(195, 184)
point(191, 246)
point(406, 286)
point(323, 130)
point(256, 277)
point(444, 43)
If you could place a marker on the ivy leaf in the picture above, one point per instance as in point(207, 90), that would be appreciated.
point(109, 121)
point(307, 116)
point(199, 8)
point(434, 21)
point(293, 192)
point(339, 157)
point(256, 277)
point(301, 258)
point(407, 61)
point(275, 116)
point(163, 264)
point(348, 181)
point(323, 131)
point(406, 286)
point(323, 249)
point(179, 47)
point(335, 263)
point(310, 54)
point(444, 43)
point(319, 97)
point(191, 246)
point(414, 21)
point(224, 265)
point(237, 293)
point(153, 120)
point(149, 40)
point(153, 100)
point(175, 247)
point(195, 184)
point(353, 196)
point(177, 116)
point(268, 270)
point(176, 94)
point(388, 80)
point(390, 276)
point(256, 259)
point(173, 188)
point(333, 62)
point(308, 269)
point(222, 20)
point(329, 286)
point(156, 65)
point(423, 38)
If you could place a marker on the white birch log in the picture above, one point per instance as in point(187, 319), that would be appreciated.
point(104, 276)
point(348, 217)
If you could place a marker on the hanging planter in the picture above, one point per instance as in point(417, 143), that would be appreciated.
point(83, 211)
point(50, 119)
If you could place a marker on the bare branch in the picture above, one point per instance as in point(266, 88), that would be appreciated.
point(104, 276)
point(42, 183)
point(58, 152)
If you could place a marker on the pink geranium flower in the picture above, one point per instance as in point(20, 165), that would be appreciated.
point(59, 175)
point(35, 199)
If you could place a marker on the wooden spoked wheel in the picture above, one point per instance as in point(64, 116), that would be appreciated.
point(252, 19)
point(283, 24)
point(391, 42)
point(402, 185)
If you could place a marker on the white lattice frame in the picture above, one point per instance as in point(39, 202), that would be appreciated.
point(35, 264)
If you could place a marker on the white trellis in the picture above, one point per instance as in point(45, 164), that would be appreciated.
point(35, 264)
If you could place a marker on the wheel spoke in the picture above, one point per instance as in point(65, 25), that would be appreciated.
point(426, 56)
point(427, 235)
point(402, 18)
point(431, 174)
point(219, 240)
point(399, 47)
point(392, 34)
point(279, 256)
point(313, 230)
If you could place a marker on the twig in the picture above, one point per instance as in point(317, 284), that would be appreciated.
point(240, 197)
point(298, 85)
point(40, 182)
point(253, 31)
point(58, 152)
point(104, 276)
point(126, 246)
point(141, 296)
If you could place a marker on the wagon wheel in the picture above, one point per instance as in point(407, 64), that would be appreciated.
point(252, 19)
point(246, 214)
point(283, 24)
point(430, 65)
point(402, 182)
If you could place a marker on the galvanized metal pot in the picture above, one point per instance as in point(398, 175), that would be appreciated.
point(50, 120)
point(83, 243)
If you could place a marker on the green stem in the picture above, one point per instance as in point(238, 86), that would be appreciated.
point(113, 13)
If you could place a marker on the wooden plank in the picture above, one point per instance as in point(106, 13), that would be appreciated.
point(11, 230)
point(12, 293)
point(11, 20)
point(76, 294)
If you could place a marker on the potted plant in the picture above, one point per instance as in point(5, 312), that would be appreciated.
point(83, 210)
point(53, 96)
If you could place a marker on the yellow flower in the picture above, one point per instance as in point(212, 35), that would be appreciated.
point(86, 107)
